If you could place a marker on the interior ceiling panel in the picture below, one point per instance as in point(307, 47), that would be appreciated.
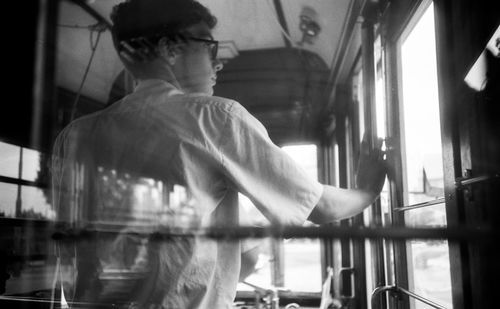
point(250, 24)
point(330, 15)
point(244, 25)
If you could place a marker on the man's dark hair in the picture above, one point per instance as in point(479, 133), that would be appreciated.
point(154, 19)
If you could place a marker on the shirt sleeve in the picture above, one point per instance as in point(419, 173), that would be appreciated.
point(269, 177)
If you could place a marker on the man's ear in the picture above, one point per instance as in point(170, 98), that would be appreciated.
point(169, 49)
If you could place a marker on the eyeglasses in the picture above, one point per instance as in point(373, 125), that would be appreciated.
point(212, 45)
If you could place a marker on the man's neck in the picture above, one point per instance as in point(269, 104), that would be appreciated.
point(156, 69)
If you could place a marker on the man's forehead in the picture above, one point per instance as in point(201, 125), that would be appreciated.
point(200, 30)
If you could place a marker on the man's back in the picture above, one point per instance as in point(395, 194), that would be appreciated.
point(203, 150)
point(162, 135)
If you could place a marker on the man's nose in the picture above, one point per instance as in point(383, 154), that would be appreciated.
point(217, 65)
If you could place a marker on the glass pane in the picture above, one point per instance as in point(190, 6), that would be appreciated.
point(302, 265)
point(429, 268)
point(34, 204)
point(432, 216)
point(422, 133)
point(31, 276)
point(305, 156)
point(8, 197)
point(31, 164)
point(261, 275)
point(9, 160)
point(431, 272)
point(301, 257)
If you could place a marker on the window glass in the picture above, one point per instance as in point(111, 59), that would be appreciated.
point(31, 164)
point(9, 160)
point(35, 204)
point(8, 197)
point(429, 268)
point(299, 258)
point(302, 256)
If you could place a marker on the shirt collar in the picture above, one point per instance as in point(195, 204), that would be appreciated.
point(154, 82)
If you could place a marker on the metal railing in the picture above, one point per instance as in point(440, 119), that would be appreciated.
point(398, 291)
point(420, 205)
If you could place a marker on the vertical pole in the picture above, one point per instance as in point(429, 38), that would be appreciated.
point(368, 57)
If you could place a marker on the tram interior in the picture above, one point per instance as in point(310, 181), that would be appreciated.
point(421, 75)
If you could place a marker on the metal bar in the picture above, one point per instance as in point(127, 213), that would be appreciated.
point(329, 232)
point(380, 290)
point(420, 205)
point(420, 298)
point(461, 182)
point(63, 230)
point(87, 8)
point(398, 290)
point(74, 304)
point(22, 182)
point(282, 21)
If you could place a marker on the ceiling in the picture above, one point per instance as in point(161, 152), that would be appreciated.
point(243, 24)
point(244, 27)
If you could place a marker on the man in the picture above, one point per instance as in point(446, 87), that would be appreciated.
point(204, 149)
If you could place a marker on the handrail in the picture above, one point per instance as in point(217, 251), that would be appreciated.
point(421, 298)
point(419, 205)
point(380, 290)
point(328, 232)
point(466, 181)
point(398, 290)
point(63, 231)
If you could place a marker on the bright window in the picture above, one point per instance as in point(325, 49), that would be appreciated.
point(297, 261)
point(429, 268)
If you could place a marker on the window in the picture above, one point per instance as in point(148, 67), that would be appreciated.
point(292, 263)
point(428, 265)
point(23, 184)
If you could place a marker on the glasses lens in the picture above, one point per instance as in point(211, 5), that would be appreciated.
point(213, 49)
point(212, 46)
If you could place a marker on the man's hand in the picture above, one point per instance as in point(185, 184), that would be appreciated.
point(370, 176)
point(338, 203)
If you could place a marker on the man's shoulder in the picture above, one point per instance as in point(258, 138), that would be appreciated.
point(214, 102)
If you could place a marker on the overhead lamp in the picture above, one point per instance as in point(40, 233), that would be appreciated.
point(308, 25)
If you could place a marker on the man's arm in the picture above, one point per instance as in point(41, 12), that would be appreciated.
point(337, 203)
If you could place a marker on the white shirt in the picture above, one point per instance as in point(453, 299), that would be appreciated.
point(204, 150)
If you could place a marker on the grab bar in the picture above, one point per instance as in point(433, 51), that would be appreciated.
point(466, 181)
point(398, 290)
point(419, 205)
point(337, 232)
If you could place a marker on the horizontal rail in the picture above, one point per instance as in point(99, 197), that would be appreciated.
point(420, 298)
point(63, 231)
point(74, 304)
point(462, 182)
point(398, 290)
point(22, 182)
point(462, 234)
point(420, 205)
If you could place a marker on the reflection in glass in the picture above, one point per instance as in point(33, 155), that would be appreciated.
point(9, 160)
point(8, 197)
point(431, 272)
point(301, 257)
point(35, 204)
point(302, 265)
point(31, 164)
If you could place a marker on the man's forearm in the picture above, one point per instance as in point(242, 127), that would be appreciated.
point(337, 203)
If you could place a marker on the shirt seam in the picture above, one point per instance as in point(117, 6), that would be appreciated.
point(224, 135)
